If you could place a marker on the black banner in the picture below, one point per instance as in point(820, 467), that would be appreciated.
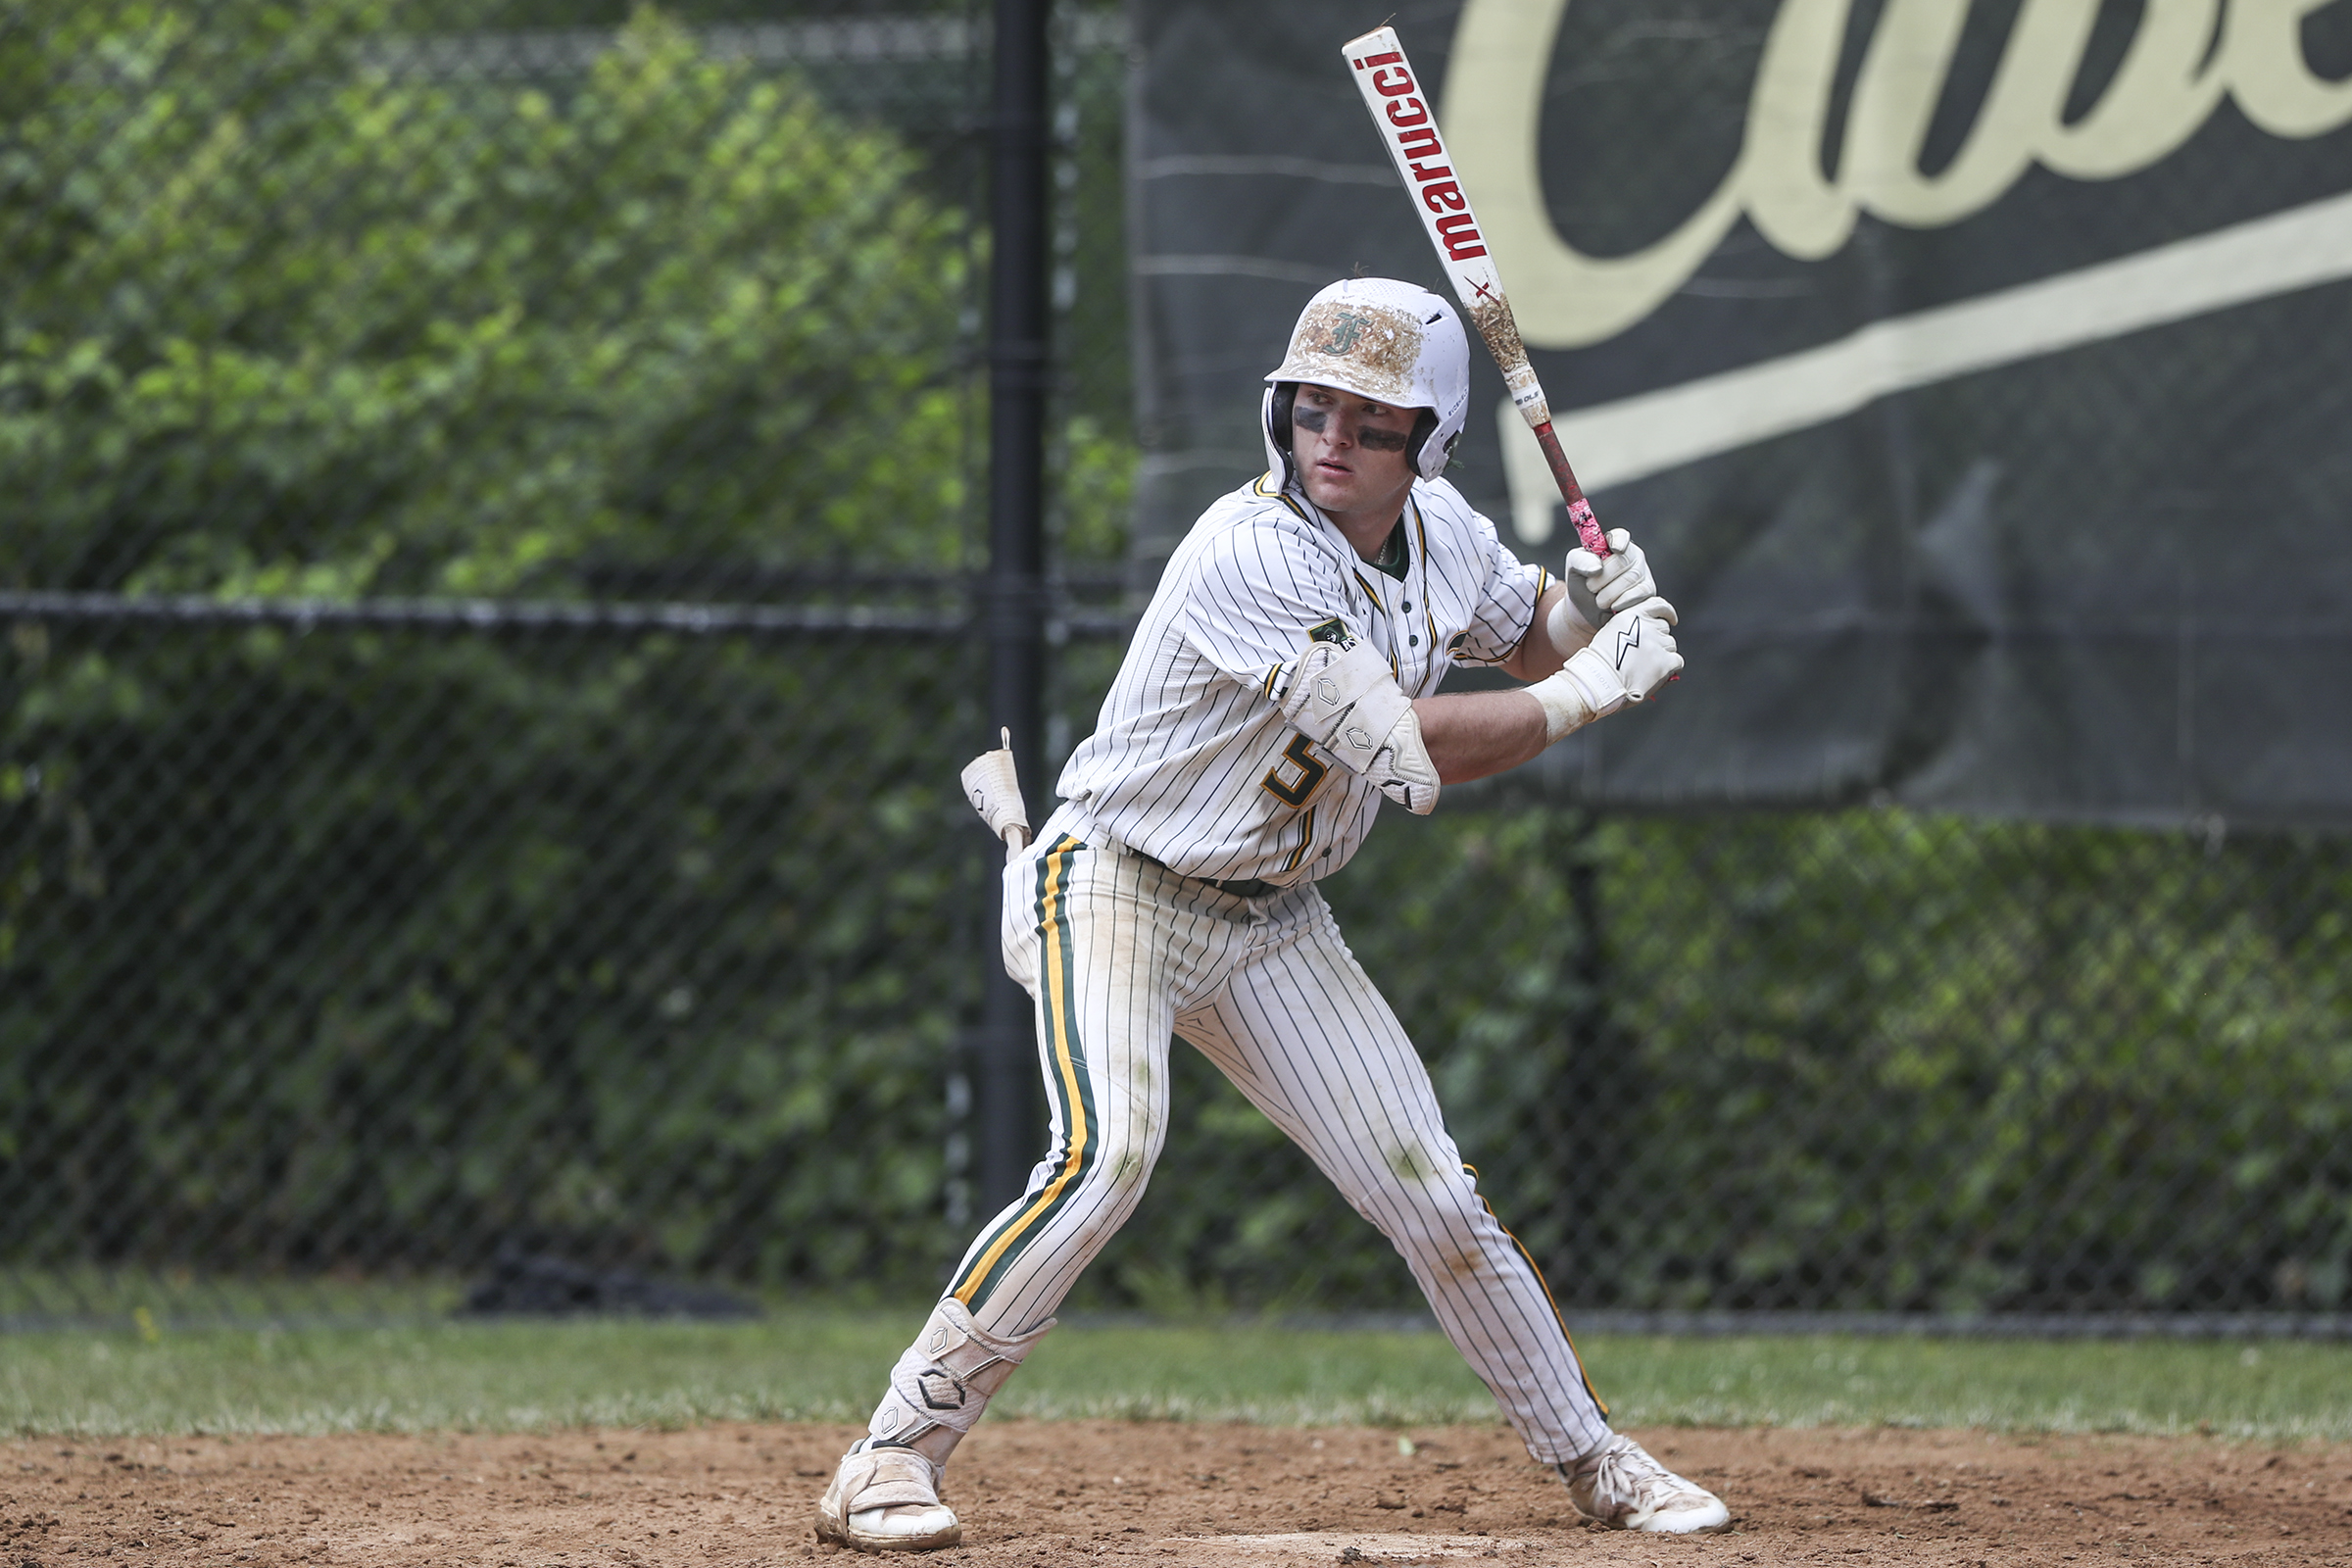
point(1978, 376)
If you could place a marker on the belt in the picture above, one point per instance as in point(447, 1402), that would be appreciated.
point(1244, 888)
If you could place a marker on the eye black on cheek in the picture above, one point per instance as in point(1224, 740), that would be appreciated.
point(1381, 440)
point(1309, 418)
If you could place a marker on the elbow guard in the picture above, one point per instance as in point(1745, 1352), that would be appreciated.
point(1343, 696)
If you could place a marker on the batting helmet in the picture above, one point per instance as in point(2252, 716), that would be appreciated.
point(1394, 343)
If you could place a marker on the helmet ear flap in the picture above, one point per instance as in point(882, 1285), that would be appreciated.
point(1280, 397)
point(1427, 458)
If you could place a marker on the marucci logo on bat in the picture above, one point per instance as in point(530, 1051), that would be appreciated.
point(1416, 139)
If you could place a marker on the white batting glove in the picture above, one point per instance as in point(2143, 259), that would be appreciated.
point(1629, 658)
point(1599, 589)
point(1633, 656)
point(993, 787)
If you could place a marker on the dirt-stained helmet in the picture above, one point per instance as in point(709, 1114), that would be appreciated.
point(1394, 343)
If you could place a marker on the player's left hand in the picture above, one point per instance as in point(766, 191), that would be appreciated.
point(1599, 588)
point(1633, 657)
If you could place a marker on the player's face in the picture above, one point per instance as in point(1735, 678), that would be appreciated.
point(1350, 451)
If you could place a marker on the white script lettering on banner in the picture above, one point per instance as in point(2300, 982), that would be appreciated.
point(2170, 80)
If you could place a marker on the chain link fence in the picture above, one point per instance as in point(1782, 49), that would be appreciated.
point(488, 653)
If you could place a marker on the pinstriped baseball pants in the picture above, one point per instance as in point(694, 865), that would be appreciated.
point(1120, 954)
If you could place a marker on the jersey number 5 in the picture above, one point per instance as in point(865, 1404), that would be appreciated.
point(1295, 792)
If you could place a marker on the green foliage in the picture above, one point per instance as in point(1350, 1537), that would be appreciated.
point(280, 322)
point(458, 943)
point(1097, 486)
point(1917, 1062)
point(382, 947)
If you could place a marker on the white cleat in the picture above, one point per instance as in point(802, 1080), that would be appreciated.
point(1620, 1484)
point(886, 1500)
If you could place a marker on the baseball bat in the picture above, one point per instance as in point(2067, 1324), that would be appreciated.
point(1409, 126)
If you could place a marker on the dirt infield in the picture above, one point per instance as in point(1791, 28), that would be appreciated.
point(1052, 1492)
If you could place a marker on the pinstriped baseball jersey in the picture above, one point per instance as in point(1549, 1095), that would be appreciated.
point(1191, 761)
point(1131, 923)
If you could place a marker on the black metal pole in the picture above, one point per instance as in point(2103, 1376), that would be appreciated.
point(1004, 1101)
point(1598, 1088)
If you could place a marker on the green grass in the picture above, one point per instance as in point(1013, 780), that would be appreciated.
point(88, 1293)
point(2275, 1389)
point(808, 1365)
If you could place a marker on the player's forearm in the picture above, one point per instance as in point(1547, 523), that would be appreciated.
point(1472, 734)
point(1540, 652)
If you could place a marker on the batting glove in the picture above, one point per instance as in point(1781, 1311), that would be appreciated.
point(1633, 656)
point(1599, 589)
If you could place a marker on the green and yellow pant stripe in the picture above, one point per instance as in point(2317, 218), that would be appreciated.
point(1077, 1143)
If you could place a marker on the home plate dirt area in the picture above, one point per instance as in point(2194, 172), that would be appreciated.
point(1062, 1492)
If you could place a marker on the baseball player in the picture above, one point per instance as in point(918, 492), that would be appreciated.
point(1276, 689)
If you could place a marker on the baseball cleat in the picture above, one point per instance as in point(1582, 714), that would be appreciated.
point(1620, 1484)
point(886, 1500)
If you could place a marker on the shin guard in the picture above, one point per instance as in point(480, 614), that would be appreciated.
point(943, 1382)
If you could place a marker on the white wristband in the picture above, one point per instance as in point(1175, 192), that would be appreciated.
point(1565, 706)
